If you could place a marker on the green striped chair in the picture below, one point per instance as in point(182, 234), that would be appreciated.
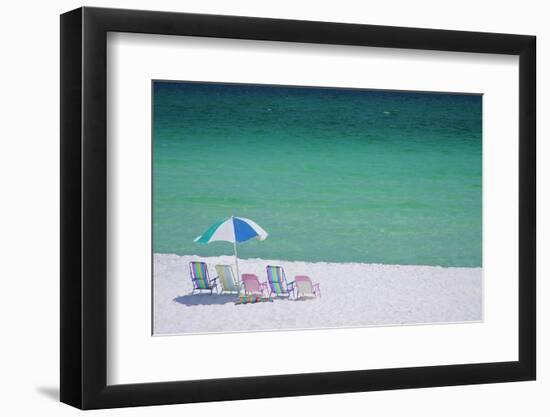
point(199, 276)
point(227, 280)
point(277, 282)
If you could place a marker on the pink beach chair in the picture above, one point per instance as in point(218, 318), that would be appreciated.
point(306, 288)
point(253, 286)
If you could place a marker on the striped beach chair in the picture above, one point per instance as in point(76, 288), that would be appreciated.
point(278, 284)
point(199, 276)
point(228, 282)
point(305, 288)
point(253, 286)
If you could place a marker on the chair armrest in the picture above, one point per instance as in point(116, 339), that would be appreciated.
point(317, 289)
point(264, 288)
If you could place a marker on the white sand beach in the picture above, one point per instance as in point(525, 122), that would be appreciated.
point(353, 294)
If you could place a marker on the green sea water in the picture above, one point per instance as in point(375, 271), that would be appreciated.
point(336, 175)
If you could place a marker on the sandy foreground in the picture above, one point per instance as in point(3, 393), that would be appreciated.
point(353, 294)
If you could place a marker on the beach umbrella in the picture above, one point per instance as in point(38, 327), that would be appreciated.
point(234, 230)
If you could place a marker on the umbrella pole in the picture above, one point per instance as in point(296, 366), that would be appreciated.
point(236, 261)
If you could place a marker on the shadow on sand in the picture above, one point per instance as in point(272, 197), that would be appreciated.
point(216, 299)
point(205, 299)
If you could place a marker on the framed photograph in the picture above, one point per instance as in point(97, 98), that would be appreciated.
point(258, 207)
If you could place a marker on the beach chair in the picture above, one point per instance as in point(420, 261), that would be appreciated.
point(278, 284)
point(200, 278)
point(253, 286)
point(306, 288)
point(228, 282)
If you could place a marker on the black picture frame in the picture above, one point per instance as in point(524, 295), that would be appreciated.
point(84, 207)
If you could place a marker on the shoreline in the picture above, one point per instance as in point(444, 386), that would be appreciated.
point(231, 259)
point(353, 295)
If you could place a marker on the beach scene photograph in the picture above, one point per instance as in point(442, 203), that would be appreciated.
point(279, 208)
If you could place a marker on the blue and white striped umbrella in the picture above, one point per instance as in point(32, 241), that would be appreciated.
point(234, 230)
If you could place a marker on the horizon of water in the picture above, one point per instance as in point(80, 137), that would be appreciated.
point(334, 175)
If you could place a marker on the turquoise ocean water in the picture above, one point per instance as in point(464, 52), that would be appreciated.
point(333, 175)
